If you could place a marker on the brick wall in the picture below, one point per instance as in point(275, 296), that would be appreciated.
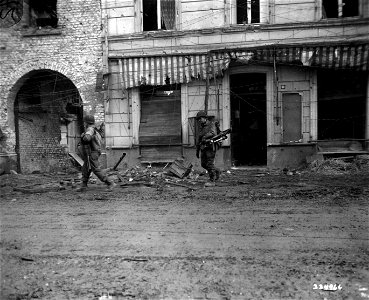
point(73, 49)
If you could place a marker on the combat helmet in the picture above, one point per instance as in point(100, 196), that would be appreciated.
point(201, 114)
point(89, 119)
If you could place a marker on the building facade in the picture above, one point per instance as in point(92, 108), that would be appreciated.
point(289, 77)
point(50, 57)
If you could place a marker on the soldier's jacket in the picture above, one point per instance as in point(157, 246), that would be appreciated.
point(92, 138)
point(207, 131)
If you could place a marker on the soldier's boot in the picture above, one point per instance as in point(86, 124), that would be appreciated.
point(111, 185)
point(217, 174)
point(210, 184)
point(82, 187)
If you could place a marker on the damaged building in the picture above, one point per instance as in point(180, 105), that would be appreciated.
point(51, 60)
point(289, 77)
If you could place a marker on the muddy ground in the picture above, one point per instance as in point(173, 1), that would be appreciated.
point(254, 236)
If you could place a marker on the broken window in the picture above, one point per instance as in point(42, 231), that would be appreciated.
point(158, 14)
point(340, 8)
point(248, 11)
point(42, 13)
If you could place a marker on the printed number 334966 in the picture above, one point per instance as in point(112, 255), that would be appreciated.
point(327, 287)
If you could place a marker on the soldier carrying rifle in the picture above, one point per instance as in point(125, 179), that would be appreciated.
point(208, 130)
point(91, 150)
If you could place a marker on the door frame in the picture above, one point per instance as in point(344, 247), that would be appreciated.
point(270, 110)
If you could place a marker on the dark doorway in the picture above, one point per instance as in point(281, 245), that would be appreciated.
point(248, 119)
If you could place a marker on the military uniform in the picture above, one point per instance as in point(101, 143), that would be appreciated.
point(207, 131)
point(91, 151)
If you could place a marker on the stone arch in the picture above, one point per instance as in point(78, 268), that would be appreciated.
point(17, 79)
point(45, 114)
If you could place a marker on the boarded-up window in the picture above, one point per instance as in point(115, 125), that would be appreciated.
point(160, 133)
point(291, 117)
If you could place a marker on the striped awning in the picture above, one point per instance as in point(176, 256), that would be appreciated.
point(161, 70)
point(337, 57)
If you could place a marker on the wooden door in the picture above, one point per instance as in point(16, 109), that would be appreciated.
point(291, 107)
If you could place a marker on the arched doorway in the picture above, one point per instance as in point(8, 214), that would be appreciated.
point(48, 121)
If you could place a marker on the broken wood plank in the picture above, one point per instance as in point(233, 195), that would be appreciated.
point(120, 177)
point(181, 185)
point(40, 189)
point(37, 190)
point(133, 183)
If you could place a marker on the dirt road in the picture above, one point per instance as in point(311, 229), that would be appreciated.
point(251, 237)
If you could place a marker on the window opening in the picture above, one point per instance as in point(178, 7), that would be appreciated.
point(341, 105)
point(248, 11)
point(350, 8)
point(158, 14)
point(340, 8)
point(43, 13)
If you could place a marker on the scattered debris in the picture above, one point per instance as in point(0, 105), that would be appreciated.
point(338, 166)
point(179, 173)
point(180, 168)
point(41, 188)
point(181, 185)
point(136, 259)
point(27, 259)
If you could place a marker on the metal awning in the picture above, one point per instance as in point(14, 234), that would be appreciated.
point(161, 70)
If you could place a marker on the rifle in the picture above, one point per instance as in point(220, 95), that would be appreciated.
point(219, 137)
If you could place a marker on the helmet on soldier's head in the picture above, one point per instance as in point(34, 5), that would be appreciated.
point(201, 114)
point(89, 119)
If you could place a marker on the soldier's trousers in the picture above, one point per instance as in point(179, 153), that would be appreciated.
point(207, 162)
point(95, 168)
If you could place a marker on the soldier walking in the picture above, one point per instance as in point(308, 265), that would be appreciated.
point(208, 150)
point(91, 151)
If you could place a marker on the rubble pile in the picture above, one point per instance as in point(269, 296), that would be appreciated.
point(340, 166)
point(156, 177)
